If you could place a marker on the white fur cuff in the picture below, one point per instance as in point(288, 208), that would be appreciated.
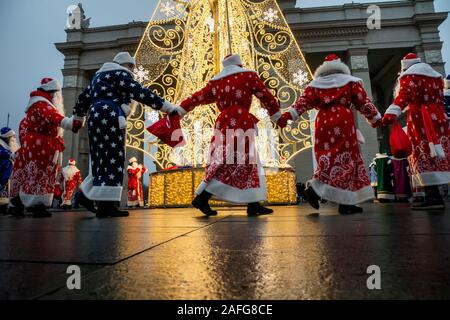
point(376, 118)
point(294, 114)
point(122, 123)
point(126, 109)
point(181, 111)
point(275, 117)
point(394, 109)
point(168, 107)
point(67, 123)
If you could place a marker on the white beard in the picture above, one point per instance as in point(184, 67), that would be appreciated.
point(13, 145)
point(58, 102)
point(135, 165)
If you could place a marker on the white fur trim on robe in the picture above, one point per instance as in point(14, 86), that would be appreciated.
point(100, 193)
point(31, 200)
point(426, 179)
point(336, 80)
point(394, 109)
point(112, 66)
point(224, 192)
point(421, 69)
point(345, 197)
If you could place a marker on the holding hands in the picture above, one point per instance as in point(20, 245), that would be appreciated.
point(389, 119)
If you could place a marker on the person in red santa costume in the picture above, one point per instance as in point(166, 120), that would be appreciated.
point(135, 190)
point(40, 157)
point(341, 176)
point(233, 173)
point(420, 94)
point(70, 180)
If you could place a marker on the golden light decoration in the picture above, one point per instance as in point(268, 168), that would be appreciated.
point(175, 188)
point(182, 49)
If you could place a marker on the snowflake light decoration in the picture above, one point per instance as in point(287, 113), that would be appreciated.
point(271, 15)
point(300, 78)
point(167, 8)
point(141, 74)
point(153, 116)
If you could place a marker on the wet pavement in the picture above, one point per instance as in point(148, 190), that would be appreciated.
point(178, 254)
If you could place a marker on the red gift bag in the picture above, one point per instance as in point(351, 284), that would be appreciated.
point(400, 144)
point(168, 130)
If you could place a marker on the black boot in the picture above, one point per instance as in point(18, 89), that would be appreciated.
point(256, 209)
point(108, 209)
point(312, 198)
point(40, 211)
point(17, 209)
point(85, 202)
point(66, 207)
point(4, 209)
point(201, 203)
point(343, 209)
point(433, 200)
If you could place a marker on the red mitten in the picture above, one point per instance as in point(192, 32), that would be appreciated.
point(389, 119)
point(285, 117)
point(76, 126)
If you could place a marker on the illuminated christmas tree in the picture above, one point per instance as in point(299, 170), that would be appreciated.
point(182, 49)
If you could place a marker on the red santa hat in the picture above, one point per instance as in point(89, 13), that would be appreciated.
point(409, 60)
point(331, 65)
point(72, 162)
point(232, 60)
point(123, 58)
point(49, 84)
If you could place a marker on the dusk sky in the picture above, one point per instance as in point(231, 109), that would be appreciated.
point(29, 29)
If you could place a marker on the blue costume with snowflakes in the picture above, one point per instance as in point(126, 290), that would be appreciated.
point(6, 160)
point(106, 101)
point(447, 97)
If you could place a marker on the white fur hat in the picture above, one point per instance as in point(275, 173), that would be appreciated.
point(409, 60)
point(49, 84)
point(232, 60)
point(124, 57)
point(331, 65)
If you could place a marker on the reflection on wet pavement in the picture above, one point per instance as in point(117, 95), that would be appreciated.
point(177, 254)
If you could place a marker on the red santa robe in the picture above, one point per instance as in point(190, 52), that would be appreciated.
point(39, 158)
point(420, 94)
point(70, 179)
point(340, 175)
point(135, 188)
point(232, 90)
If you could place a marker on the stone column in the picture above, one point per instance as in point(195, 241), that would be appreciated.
point(359, 65)
point(77, 146)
